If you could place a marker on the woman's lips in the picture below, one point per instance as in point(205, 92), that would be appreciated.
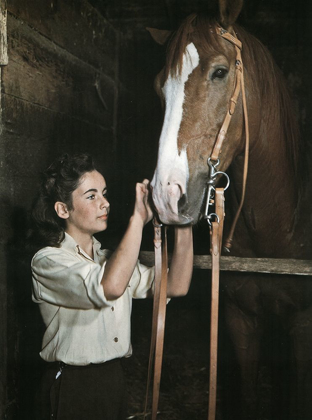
point(104, 217)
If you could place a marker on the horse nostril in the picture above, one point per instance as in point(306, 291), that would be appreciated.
point(182, 203)
point(174, 190)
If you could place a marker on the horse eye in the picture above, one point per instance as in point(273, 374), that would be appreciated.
point(219, 74)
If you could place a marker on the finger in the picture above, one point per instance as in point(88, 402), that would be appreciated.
point(142, 190)
point(140, 187)
point(141, 195)
point(143, 185)
point(146, 182)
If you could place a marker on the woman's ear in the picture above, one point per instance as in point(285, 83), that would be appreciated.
point(61, 210)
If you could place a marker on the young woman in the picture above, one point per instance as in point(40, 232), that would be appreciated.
point(84, 296)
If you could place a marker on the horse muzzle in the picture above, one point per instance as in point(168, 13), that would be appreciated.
point(169, 199)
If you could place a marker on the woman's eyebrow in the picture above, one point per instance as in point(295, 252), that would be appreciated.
point(94, 190)
point(90, 190)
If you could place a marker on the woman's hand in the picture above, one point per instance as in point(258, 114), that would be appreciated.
point(120, 266)
point(142, 208)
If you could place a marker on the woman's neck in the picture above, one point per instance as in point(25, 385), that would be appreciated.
point(85, 241)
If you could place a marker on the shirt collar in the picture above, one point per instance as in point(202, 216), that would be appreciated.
point(71, 245)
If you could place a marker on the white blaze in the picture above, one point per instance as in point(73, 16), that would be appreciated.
point(172, 166)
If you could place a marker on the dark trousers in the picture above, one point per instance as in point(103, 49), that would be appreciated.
point(96, 392)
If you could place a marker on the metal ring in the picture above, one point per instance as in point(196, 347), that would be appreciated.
point(227, 177)
point(209, 216)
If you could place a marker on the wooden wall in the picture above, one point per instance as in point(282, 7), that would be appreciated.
point(59, 94)
point(71, 81)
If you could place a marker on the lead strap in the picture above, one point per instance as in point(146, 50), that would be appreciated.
point(159, 317)
point(216, 230)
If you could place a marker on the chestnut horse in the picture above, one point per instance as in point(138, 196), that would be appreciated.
point(195, 87)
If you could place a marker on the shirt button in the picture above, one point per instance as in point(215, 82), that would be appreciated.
point(113, 308)
point(116, 339)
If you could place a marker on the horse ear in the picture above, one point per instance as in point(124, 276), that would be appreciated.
point(159, 35)
point(229, 11)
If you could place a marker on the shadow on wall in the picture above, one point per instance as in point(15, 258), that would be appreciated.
point(25, 327)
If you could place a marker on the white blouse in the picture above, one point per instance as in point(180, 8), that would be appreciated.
point(82, 326)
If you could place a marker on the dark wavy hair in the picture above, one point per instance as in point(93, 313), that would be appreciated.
point(58, 183)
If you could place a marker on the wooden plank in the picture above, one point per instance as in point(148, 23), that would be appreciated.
point(41, 73)
point(250, 265)
point(34, 135)
point(74, 26)
point(3, 34)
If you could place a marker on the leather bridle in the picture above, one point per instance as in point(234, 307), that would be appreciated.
point(215, 196)
point(213, 161)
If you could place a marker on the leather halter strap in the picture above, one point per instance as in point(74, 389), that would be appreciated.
point(239, 86)
point(217, 227)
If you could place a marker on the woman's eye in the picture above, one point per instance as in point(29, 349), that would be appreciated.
point(91, 197)
point(219, 74)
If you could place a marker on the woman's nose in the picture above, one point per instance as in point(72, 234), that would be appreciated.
point(104, 203)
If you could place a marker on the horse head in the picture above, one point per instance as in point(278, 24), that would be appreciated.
point(195, 87)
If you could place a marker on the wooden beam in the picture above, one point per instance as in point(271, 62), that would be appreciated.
point(250, 265)
point(3, 34)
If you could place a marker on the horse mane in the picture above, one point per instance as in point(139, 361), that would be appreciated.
point(276, 104)
point(276, 101)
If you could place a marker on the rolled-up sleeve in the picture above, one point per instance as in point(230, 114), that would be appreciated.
point(61, 279)
point(142, 281)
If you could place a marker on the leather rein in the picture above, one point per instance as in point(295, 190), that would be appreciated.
point(215, 196)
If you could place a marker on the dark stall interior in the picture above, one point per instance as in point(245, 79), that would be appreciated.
point(77, 76)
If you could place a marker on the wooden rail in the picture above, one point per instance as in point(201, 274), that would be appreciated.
point(250, 265)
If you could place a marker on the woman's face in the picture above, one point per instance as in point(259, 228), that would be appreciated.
point(90, 207)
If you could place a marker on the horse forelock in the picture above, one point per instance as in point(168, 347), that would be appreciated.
point(196, 26)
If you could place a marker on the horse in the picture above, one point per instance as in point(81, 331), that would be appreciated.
point(195, 87)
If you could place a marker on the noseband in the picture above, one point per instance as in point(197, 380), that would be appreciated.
point(213, 160)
